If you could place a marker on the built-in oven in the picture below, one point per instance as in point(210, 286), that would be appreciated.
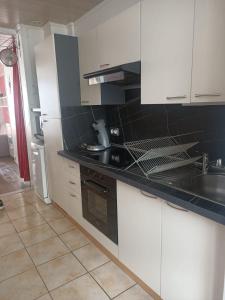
point(99, 202)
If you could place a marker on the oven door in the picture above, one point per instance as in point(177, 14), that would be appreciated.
point(100, 207)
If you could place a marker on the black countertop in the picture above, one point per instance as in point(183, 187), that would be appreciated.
point(201, 206)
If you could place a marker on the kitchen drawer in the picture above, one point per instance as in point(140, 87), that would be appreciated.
point(72, 165)
point(73, 189)
point(72, 171)
point(73, 195)
point(72, 183)
point(73, 205)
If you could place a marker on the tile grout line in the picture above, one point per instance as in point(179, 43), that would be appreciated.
point(87, 272)
point(33, 264)
point(93, 277)
point(70, 252)
point(125, 291)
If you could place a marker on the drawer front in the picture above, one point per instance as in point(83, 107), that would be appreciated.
point(75, 189)
point(72, 166)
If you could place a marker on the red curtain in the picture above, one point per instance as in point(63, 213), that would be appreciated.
point(20, 127)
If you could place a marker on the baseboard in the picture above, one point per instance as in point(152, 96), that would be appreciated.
point(111, 256)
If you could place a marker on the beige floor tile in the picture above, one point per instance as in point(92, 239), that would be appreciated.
point(51, 213)
point(112, 279)
point(21, 212)
point(60, 271)
point(25, 286)
point(61, 225)
point(13, 196)
point(45, 297)
point(14, 203)
point(83, 288)
point(40, 205)
point(37, 234)
point(28, 222)
point(14, 263)
point(47, 250)
point(91, 257)
point(6, 229)
point(28, 193)
point(10, 243)
point(134, 293)
point(74, 239)
point(31, 199)
point(3, 217)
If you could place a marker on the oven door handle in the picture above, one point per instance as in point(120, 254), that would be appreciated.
point(98, 187)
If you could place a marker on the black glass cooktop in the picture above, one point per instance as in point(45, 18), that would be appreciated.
point(117, 157)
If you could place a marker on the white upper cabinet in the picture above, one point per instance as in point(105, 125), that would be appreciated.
point(114, 42)
point(89, 62)
point(119, 38)
point(47, 78)
point(166, 50)
point(88, 51)
point(209, 52)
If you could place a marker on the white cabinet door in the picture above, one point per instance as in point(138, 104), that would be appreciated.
point(53, 143)
point(209, 52)
point(192, 256)
point(166, 50)
point(89, 62)
point(47, 78)
point(139, 230)
point(119, 38)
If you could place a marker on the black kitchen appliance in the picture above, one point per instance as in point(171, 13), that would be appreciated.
point(113, 157)
point(99, 202)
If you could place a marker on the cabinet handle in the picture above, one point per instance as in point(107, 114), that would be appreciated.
point(85, 102)
point(71, 182)
point(207, 95)
point(148, 195)
point(176, 207)
point(44, 114)
point(104, 65)
point(176, 97)
point(72, 195)
point(45, 121)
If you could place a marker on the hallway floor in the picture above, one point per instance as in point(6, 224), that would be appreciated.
point(44, 256)
point(9, 176)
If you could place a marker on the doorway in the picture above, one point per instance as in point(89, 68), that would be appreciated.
point(10, 179)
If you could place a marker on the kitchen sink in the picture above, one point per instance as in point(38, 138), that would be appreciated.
point(210, 186)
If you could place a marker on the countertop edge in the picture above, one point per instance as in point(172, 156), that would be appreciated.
point(190, 203)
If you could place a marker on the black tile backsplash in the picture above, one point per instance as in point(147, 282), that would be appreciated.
point(136, 122)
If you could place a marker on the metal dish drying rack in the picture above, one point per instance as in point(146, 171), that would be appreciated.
point(160, 154)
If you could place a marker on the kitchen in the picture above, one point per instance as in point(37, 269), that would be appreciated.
point(132, 114)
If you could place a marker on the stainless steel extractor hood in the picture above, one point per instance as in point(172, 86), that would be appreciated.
point(126, 74)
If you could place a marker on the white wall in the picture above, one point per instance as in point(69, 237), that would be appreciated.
point(100, 13)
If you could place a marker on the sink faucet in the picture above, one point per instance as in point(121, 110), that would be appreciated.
point(205, 163)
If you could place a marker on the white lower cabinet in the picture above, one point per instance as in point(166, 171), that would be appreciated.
point(139, 229)
point(71, 189)
point(177, 253)
point(192, 256)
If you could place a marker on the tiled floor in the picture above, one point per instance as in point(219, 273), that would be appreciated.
point(9, 176)
point(43, 256)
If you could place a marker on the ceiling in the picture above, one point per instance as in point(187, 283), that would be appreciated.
point(39, 12)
